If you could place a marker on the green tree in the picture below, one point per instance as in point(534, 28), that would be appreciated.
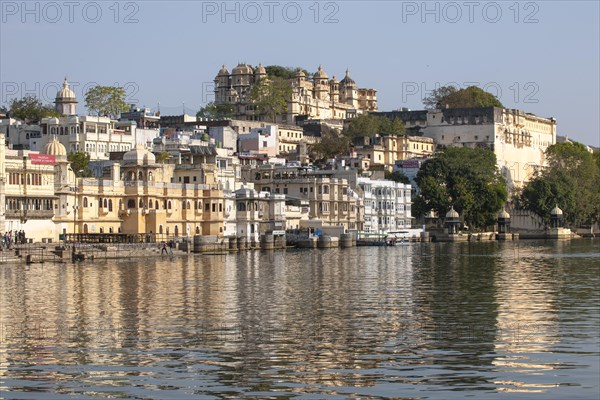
point(571, 180)
point(467, 179)
point(270, 97)
point(30, 109)
point(163, 156)
point(283, 72)
point(397, 177)
point(106, 101)
point(332, 144)
point(451, 97)
point(80, 163)
point(371, 125)
point(216, 111)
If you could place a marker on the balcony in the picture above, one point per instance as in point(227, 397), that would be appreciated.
point(29, 214)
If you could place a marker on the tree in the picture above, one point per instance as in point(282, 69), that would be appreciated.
point(332, 144)
point(216, 111)
point(106, 101)
point(466, 179)
point(571, 181)
point(30, 109)
point(270, 97)
point(371, 125)
point(450, 97)
point(80, 162)
point(163, 156)
point(283, 72)
point(397, 177)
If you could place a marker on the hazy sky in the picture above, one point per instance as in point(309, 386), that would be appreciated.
point(538, 56)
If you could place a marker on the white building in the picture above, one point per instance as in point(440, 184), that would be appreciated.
point(387, 205)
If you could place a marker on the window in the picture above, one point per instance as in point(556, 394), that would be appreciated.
point(130, 203)
point(85, 202)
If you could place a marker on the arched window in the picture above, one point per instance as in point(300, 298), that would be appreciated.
point(101, 230)
point(241, 206)
point(199, 205)
point(85, 202)
point(169, 204)
point(141, 204)
point(176, 230)
point(197, 230)
point(141, 176)
point(130, 203)
point(167, 231)
point(160, 229)
point(105, 203)
point(151, 204)
point(189, 206)
point(110, 205)
point(110, 230)
point(85, 228)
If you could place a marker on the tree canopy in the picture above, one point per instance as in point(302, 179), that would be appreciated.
point(106, 101)
point(332, 144)
point(80, 162)
point(283, 72)
point(30, 109)
point(571, 181)
point(270, 97)
point(451, 97)
point(371, 125)
point(466, 179)
point(216, 111)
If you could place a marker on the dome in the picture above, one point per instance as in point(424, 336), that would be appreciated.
point(556, 211)
point(139, 155)
point(452, 214)
point(55, 148)
point(300, 73)
point(223, 71)
point(320, 74)
point(333, 80)
point(503, 214)
point(347, 80)
point(242, 69)
point(260, 70)
point(65, 93)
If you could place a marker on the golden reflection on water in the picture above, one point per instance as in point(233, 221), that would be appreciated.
point(369, 322)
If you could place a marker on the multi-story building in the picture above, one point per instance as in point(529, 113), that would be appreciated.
point(319, 97)
point(386, 150)
point(330, 199)
point(518, 139)
point(387, 205)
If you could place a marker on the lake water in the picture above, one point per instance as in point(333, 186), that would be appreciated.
point(426, 321)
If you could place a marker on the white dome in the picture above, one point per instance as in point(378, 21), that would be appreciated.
point(139, 155)
point(452, 213)
point(556, 211)
point(65, 93)
point(320, 74)
point(504, 214)
point(55, 148)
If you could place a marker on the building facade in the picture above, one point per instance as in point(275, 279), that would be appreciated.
point(317, 97)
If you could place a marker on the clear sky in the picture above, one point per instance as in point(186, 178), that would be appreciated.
point(538, 56)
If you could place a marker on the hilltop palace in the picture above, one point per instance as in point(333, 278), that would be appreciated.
point(319, 98)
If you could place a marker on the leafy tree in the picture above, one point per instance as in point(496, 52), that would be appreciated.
point(80, 163)
point(571, 181)
point(163, 156)
point(467, 179)
point(332, 144)
point(3, 110)
point(449, 96)
point(30, 109)
point(283, 72)
point(397, 177)
point(371, 125)
point(270, 97)
point(106, 101)
point(216, 111)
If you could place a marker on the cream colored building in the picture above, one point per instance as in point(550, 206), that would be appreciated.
point(330, 199)
point(518, 139)
point(386, 150)
point(319, 97)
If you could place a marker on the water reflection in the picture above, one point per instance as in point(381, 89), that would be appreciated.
point(423, 321)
